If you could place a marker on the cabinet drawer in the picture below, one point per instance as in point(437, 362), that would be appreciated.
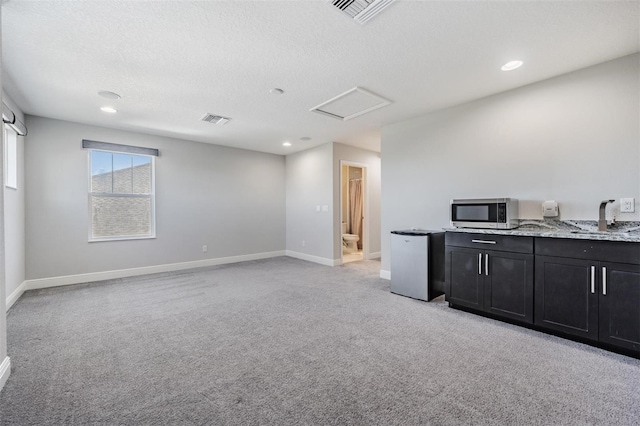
point(490, 242)
point(605, 251)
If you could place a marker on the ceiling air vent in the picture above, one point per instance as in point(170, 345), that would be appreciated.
point(361, 11)
point(351, 104)
point(215, 119)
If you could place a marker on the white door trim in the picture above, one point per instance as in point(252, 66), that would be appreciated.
point(5, 371)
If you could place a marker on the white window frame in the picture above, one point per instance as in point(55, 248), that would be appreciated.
point(151, 196)
point(10, 138)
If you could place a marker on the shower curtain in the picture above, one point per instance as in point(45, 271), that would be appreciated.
point(355, 208)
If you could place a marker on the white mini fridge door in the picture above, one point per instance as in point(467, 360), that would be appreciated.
point(410, 265)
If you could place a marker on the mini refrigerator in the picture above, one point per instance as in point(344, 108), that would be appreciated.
point(417, 263)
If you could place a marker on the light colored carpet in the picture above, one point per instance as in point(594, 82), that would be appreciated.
point(282, 341)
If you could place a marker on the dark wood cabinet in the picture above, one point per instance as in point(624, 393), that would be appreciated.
point(619, 299)
point(588, 289)
point(494, 281)
point(464, 282)
point(508, 285)
point(566, 300)
point(580, 291)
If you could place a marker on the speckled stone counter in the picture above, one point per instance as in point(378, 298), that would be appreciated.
point(573, 229)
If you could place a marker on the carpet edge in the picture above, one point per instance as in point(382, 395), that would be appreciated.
point(15, 295)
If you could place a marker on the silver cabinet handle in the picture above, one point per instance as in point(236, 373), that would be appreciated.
point(593, 279)
point(483, 241)
point(479, 263)
point(486, 264)
point(604, 281)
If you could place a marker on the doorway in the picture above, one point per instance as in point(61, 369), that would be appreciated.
point(353, 211)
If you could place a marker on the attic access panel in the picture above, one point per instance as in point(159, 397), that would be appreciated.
point(351, 104)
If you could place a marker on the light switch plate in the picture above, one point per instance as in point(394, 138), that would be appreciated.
point(627, 205)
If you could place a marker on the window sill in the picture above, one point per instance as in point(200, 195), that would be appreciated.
point(99, 240)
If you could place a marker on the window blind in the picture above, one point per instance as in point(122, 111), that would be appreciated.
point(9, 118)
point(107, 146)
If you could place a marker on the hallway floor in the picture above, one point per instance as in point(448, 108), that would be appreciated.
point(352, 257)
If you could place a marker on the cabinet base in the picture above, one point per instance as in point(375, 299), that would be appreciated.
point(610, 348)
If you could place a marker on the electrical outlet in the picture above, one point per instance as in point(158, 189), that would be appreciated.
point(317, 208)
point(303, 243)
point(205, 249)
point(627, 205)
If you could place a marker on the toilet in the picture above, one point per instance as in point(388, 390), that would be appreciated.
point(349, 241)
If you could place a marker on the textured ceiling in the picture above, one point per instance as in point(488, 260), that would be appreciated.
point(174, 61)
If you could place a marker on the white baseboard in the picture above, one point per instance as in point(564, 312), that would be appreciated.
point(5, 371)
point(314, 259)
point(385, 274)
point(375, 255)
point(122, 273)
point(13, 297)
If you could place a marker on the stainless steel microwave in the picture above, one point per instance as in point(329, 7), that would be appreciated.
point(487, 213)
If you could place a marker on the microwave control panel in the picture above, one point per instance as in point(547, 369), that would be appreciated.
point(502, 212)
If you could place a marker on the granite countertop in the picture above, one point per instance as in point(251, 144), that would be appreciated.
point(574, 229)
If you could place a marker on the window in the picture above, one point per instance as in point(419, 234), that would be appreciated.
point(10, 158)
point(121, 195)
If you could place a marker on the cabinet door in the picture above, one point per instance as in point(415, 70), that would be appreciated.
point(566, 297)
point(508, 285)
point(464, 279)
point(620, 305)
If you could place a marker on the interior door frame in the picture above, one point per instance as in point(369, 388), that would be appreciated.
point(365, 207)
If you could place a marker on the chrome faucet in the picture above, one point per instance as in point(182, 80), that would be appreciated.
point(602, 220)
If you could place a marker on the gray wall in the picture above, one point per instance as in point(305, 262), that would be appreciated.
point(313, 179)
point(231, 200)
point(14, 217)
point(372, 160)
point(574, 139)
point(310, 184)
point(3, 316)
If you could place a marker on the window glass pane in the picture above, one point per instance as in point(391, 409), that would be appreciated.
point(122, 174)
point(101, 172)
point(11, 159)
point(125, 209)
point(120, 216)
point(141, 175)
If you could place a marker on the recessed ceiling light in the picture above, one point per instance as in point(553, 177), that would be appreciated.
point(286, 144)
point(305, 138)
point(109, 95)
point(509, 66)
point(109, 109)
point(276, 91)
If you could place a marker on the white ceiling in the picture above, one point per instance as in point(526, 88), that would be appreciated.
point(174, 61)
